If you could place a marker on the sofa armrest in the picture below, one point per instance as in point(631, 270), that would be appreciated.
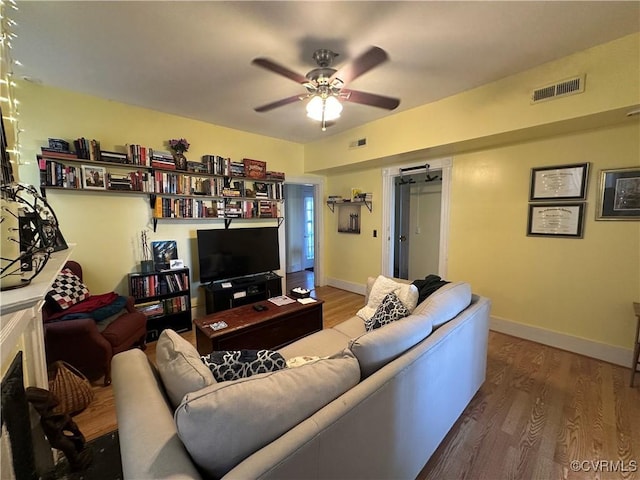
point(149, 442)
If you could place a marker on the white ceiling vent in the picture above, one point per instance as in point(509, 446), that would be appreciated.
point(570, 86)
point(361, 142)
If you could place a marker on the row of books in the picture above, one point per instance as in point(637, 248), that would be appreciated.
point(188, 208)
point(56, 174)
point(194, 208)
point(136, 154)
point(158, 284)
point(164, 307)
point(179, 184)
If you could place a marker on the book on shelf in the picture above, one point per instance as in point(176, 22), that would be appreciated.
point(114, 157)
point(260, 189)
point(254, 168)
point(271, 175)
point(151, 309)
point(237, 169)
point(57, 154)
point(163, 164)
point(217, 165)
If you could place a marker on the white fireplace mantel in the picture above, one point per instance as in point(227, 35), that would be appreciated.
point(21, 321)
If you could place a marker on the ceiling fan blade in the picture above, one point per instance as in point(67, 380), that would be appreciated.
point(280, 70)
point(380, 101)
point(279, 103)
point(362, 64)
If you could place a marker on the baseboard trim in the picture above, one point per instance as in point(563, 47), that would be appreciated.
point(601, 351)
point(348, 286)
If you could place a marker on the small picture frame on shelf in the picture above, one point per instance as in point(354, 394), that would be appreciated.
point(561, 182)
point(94, 178)
point(619, 194)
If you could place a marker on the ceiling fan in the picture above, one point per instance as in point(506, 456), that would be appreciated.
point(325, 85)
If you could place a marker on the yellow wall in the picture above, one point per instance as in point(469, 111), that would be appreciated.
point(578, 287)
point(581, 287)
point(106, 227)
point(351, 257)
point(499, 109)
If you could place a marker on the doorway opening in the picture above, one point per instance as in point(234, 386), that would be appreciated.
point(416, 220)
point(301, 235)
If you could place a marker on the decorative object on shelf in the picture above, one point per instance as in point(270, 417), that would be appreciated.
point(355, 194)
point(179, 147)
point(163, 252)
point(563, 182)
point(146, 264)
point(254, 168)
point(29, 234)
point(619, 194)
point(94, 178)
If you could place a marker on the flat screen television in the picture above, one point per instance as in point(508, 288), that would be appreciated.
point(235, 252)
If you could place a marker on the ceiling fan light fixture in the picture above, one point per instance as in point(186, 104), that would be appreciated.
point(324, 109)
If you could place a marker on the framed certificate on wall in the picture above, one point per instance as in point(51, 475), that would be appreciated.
point(563, 182)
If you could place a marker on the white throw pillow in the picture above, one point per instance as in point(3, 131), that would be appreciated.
point(406, 293)
point(180, 367)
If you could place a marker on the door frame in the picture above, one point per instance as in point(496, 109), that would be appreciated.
point(444, 165)
point(318, 196)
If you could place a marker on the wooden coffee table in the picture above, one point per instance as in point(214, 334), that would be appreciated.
point(247, 328)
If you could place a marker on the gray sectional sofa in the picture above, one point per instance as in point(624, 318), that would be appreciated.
point(375, 405)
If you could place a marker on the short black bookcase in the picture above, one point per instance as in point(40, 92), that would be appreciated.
point(165, 299)
point(241, 291)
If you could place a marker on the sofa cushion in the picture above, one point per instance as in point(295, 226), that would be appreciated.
point(446, 302)
point(352, 328)
point(390, 310)
point(378, 347)
point(67, 290)
point(224, 423)
point(320, 344)
point(180, 367)
point(407, 293)
point(235, 364)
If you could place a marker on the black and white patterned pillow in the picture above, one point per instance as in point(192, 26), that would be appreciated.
point(235, 364)
point(390, 310)
point(67, 290)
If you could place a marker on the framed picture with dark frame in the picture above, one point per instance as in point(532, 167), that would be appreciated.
point(619, 194)
point(94, 178)
point(561, 182)
point(556, 220)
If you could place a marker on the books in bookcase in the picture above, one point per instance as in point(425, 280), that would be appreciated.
point(146, 286)
point(163, 307)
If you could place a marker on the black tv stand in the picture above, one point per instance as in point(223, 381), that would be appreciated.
point(239, 291)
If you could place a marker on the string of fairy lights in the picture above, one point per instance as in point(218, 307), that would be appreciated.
point(8, 101)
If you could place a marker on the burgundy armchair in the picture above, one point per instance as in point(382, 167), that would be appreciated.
point(80, 343)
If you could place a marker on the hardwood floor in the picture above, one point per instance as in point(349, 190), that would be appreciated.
point(539, 409)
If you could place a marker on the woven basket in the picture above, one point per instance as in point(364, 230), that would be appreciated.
point(71, 388)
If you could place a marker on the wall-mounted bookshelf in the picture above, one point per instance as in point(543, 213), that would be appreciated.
point(215, 188)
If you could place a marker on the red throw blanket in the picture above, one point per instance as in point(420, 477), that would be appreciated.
point(89, 305)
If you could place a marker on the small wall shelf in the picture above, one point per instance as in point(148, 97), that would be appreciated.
point(366, 203)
